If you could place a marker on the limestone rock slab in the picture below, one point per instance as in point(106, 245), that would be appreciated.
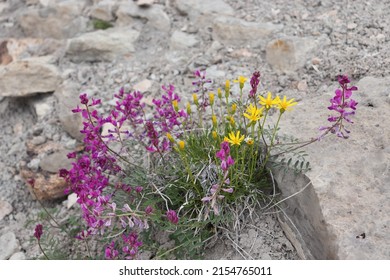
point(349, 177)
point(24, 78)
point(102, 45)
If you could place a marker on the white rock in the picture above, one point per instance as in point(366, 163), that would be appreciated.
point(205, 7)
point(68, 98)
point(43, 106)
point(237, 32)
point(59, 21)
point(5, 209)
point(54, 162)
point(155, 15)
point(72, 200)
point(102, 45)
point(18, 256)
point(34, 164)
point(143, 86)
point(24, 78)
point(8, 245)
point(181, 40)
point(291, 53)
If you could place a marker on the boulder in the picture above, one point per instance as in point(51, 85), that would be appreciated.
point(25, 78)
point(54, 162)
point(102, 45)
point(60, 21)
point(67, 99)
point(238, 32)
point(194, 8)
point(343, 211)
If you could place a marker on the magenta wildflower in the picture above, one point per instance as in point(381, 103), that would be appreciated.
point(172, 216)
point(110, 252)
point(255, 80)
point(131, 245)
point(343, 106)
point(38, 231)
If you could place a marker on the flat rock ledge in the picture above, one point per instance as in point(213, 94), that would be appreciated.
point(339, 209)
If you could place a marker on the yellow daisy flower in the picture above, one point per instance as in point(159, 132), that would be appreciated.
point(253, 114)
point(285, 105)
point(241, 80)
point(234, 139)
point(269, 102)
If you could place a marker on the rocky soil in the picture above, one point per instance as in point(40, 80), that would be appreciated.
point(53, 50)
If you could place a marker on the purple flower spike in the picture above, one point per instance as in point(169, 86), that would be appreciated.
point(255, 80)
point(38, 231)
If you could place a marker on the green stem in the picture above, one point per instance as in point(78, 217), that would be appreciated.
point(272, 140)
point(40, 247)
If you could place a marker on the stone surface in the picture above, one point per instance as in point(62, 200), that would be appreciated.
point(56, 161)
point(8, 245)
point(194, 8)
point(349, 182)
point(238, 32)
point(43, 106)
point(24, 78)
point(143, 86)
point(18, 256)
point(104, 10)
point(59, 21)
point(5, 209)
point(289, 54)
point(181, 40)
point(22, 48)
point(47, 187)
point(68, 98)
point(155, 15)
point(102, 45)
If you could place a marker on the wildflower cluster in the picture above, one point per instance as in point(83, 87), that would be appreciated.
point(176, 165)
point(344, 106)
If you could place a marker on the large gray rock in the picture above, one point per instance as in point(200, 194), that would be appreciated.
point(59, 21)
point(68, 98)
point(194, 8)
point(155, 15)
point(181, 40)
point(348, 189)
point(56, 161)
point(102, 45)
point(291, 53)
point(24, 78)
point(8, 245)
point(238, 32)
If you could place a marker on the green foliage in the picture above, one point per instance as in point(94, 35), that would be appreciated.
point(101, 24)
